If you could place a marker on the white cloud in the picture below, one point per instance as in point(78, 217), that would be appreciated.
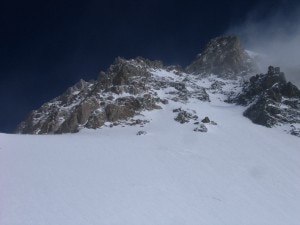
point(276, 36)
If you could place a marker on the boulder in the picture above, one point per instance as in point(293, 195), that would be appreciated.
point(205, 120)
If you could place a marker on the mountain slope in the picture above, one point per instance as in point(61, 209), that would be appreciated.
point(153, 144)
point(129, 87)
point(236, 173)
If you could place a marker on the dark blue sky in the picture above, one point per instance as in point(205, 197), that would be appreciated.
point(46, 46)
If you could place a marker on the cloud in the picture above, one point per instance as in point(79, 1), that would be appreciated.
point(275, 34)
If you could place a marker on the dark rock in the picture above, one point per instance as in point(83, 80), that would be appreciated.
point(217, 85)
point(271, 85)
point(177, 110)
point(96, 120)
point(293, 103)
point(295, 131)
point(271, 70)
point(274, 94)
point(121, 72)
point(205, 120)
point(69, 126)
point(148, 102)
point(123, 109)
point(213, 123)
point(110, 98)
point(138, 121)
point(141, 132)
point(201, 95)
point(179, 86)
point(134, 122)
point(112, 112)
point(272, 100)
point(164, 101)
point(223, 56)
point(195, 117)
point(290, 91)
point(183, 117)
point(201, 128)
point(260, 113)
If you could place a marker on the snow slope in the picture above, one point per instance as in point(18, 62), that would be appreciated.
point(237, 173)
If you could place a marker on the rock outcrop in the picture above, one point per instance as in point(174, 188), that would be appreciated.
point(184, 117)
point(271, 99)
point(224, 57)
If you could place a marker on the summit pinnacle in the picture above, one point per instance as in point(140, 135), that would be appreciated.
point(223, 56)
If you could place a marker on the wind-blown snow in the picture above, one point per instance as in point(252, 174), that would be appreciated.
point(236, 173)
point(252, 54)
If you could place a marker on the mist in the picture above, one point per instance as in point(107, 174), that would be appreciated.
point(275, 36)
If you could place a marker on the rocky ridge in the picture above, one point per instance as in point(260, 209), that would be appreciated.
point(128, 88)
point(271, 100)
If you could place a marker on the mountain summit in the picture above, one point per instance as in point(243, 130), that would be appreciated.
point(223, 56)
point(128, 89)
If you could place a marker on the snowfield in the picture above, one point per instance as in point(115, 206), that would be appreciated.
point(237, 173)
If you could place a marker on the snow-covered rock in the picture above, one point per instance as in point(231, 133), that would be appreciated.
point(271, 99)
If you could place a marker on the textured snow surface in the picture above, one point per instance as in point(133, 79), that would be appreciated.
point(237, 173)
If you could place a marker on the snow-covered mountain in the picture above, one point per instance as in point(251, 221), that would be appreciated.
point(131, 87)
point(157, 144)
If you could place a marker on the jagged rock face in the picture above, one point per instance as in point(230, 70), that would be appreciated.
point(91, 104)
point(272, 100)
point(125, 90)
point(128, 88)
point(223, 56)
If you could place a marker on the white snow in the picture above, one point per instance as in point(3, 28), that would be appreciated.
point(237, 173)
point(159, 73)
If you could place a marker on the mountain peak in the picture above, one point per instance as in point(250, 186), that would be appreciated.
point(129, 88)
point(223, 56)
